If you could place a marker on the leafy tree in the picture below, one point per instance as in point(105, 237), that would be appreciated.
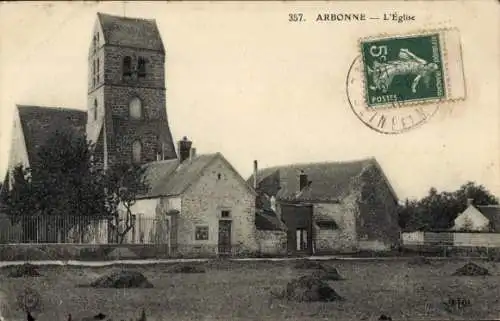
point(20, 202)
point(67, 190)
point(438, 210)
point(124, 183)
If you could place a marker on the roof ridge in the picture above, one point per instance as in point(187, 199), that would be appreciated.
point(124, 17)
point(360, 160)
point(23, 106)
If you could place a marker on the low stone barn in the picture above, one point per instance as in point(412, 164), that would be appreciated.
point(332, 207)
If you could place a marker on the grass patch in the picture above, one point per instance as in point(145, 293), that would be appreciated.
point(243, 291)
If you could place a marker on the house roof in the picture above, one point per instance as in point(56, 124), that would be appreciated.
point(492, 213)
point(331, 181)
point(39, 123)
point(131, 32)
point(268, 221)
point(171, 178)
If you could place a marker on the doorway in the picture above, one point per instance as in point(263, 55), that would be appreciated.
point(224, 237)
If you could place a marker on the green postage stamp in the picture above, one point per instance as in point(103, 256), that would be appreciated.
point(412, 69)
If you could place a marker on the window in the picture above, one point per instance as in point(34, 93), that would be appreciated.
point(136, 152)
point(135, 108)
point(97, 71)
point(201, 233)
point(225, 214)
point(95, 109)
point(327, 225)
point(127, 66)
point(93, 73)
point(141, 67)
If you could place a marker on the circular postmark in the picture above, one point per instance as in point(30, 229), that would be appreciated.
point(395, 119)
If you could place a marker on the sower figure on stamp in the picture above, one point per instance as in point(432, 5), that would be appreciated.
point(407, 64)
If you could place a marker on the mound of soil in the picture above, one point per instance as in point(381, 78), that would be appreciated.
point(24, 270)
point(471, 269)
point(186, 268)
point(419, 260)
point(310, 289)
point(122, 279)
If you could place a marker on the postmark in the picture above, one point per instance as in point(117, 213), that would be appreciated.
point(398, 83)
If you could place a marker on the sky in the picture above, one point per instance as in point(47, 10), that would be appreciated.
point(244, 81)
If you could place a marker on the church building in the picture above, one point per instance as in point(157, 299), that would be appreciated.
point(199, 202)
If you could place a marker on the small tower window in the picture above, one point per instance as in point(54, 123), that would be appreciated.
point(97, 71)
point(93, 73)
point(135, 108)
point(95, 109)
point(136, 152)
point(127, 66)
point(141, 67)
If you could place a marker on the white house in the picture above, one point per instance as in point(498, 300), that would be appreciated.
point(478, 218)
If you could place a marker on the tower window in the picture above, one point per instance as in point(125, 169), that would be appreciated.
point(95, 109)
point(93, 73)
point(135, 108)
point(127, 66)
point(97, 71)
point(141, 67)
point(136, 152)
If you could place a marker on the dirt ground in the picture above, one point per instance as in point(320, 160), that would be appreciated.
point(242, 291)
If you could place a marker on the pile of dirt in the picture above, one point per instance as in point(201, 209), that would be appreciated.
point(24, 270)
point(122, 279)
point(471, 269)
point(186, 268)
point(310, 289)
point(322, 271)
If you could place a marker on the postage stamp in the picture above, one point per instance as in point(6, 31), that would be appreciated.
point(398, 83)
point(412, 69)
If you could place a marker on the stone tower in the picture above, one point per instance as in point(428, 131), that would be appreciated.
point(127, 118)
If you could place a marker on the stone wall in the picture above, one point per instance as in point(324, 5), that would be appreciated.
point(340, 239)
point(378, 218)
point(272, 242)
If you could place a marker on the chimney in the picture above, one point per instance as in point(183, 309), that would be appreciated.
point(192, 153)
point(255, 168)
point(184, 149)
point(470, 201)
point(303, 182)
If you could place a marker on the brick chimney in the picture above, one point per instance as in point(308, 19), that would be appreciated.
point(184, 149)
point(303, 182)
point(255, 169)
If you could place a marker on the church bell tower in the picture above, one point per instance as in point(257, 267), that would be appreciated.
point(127, 118)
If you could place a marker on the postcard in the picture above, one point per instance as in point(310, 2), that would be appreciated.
point(267, 160)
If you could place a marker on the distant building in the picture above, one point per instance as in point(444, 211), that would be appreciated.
point(332, 207)
point(481, 218)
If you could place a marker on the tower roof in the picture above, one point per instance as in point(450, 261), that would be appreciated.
point(131, 32)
